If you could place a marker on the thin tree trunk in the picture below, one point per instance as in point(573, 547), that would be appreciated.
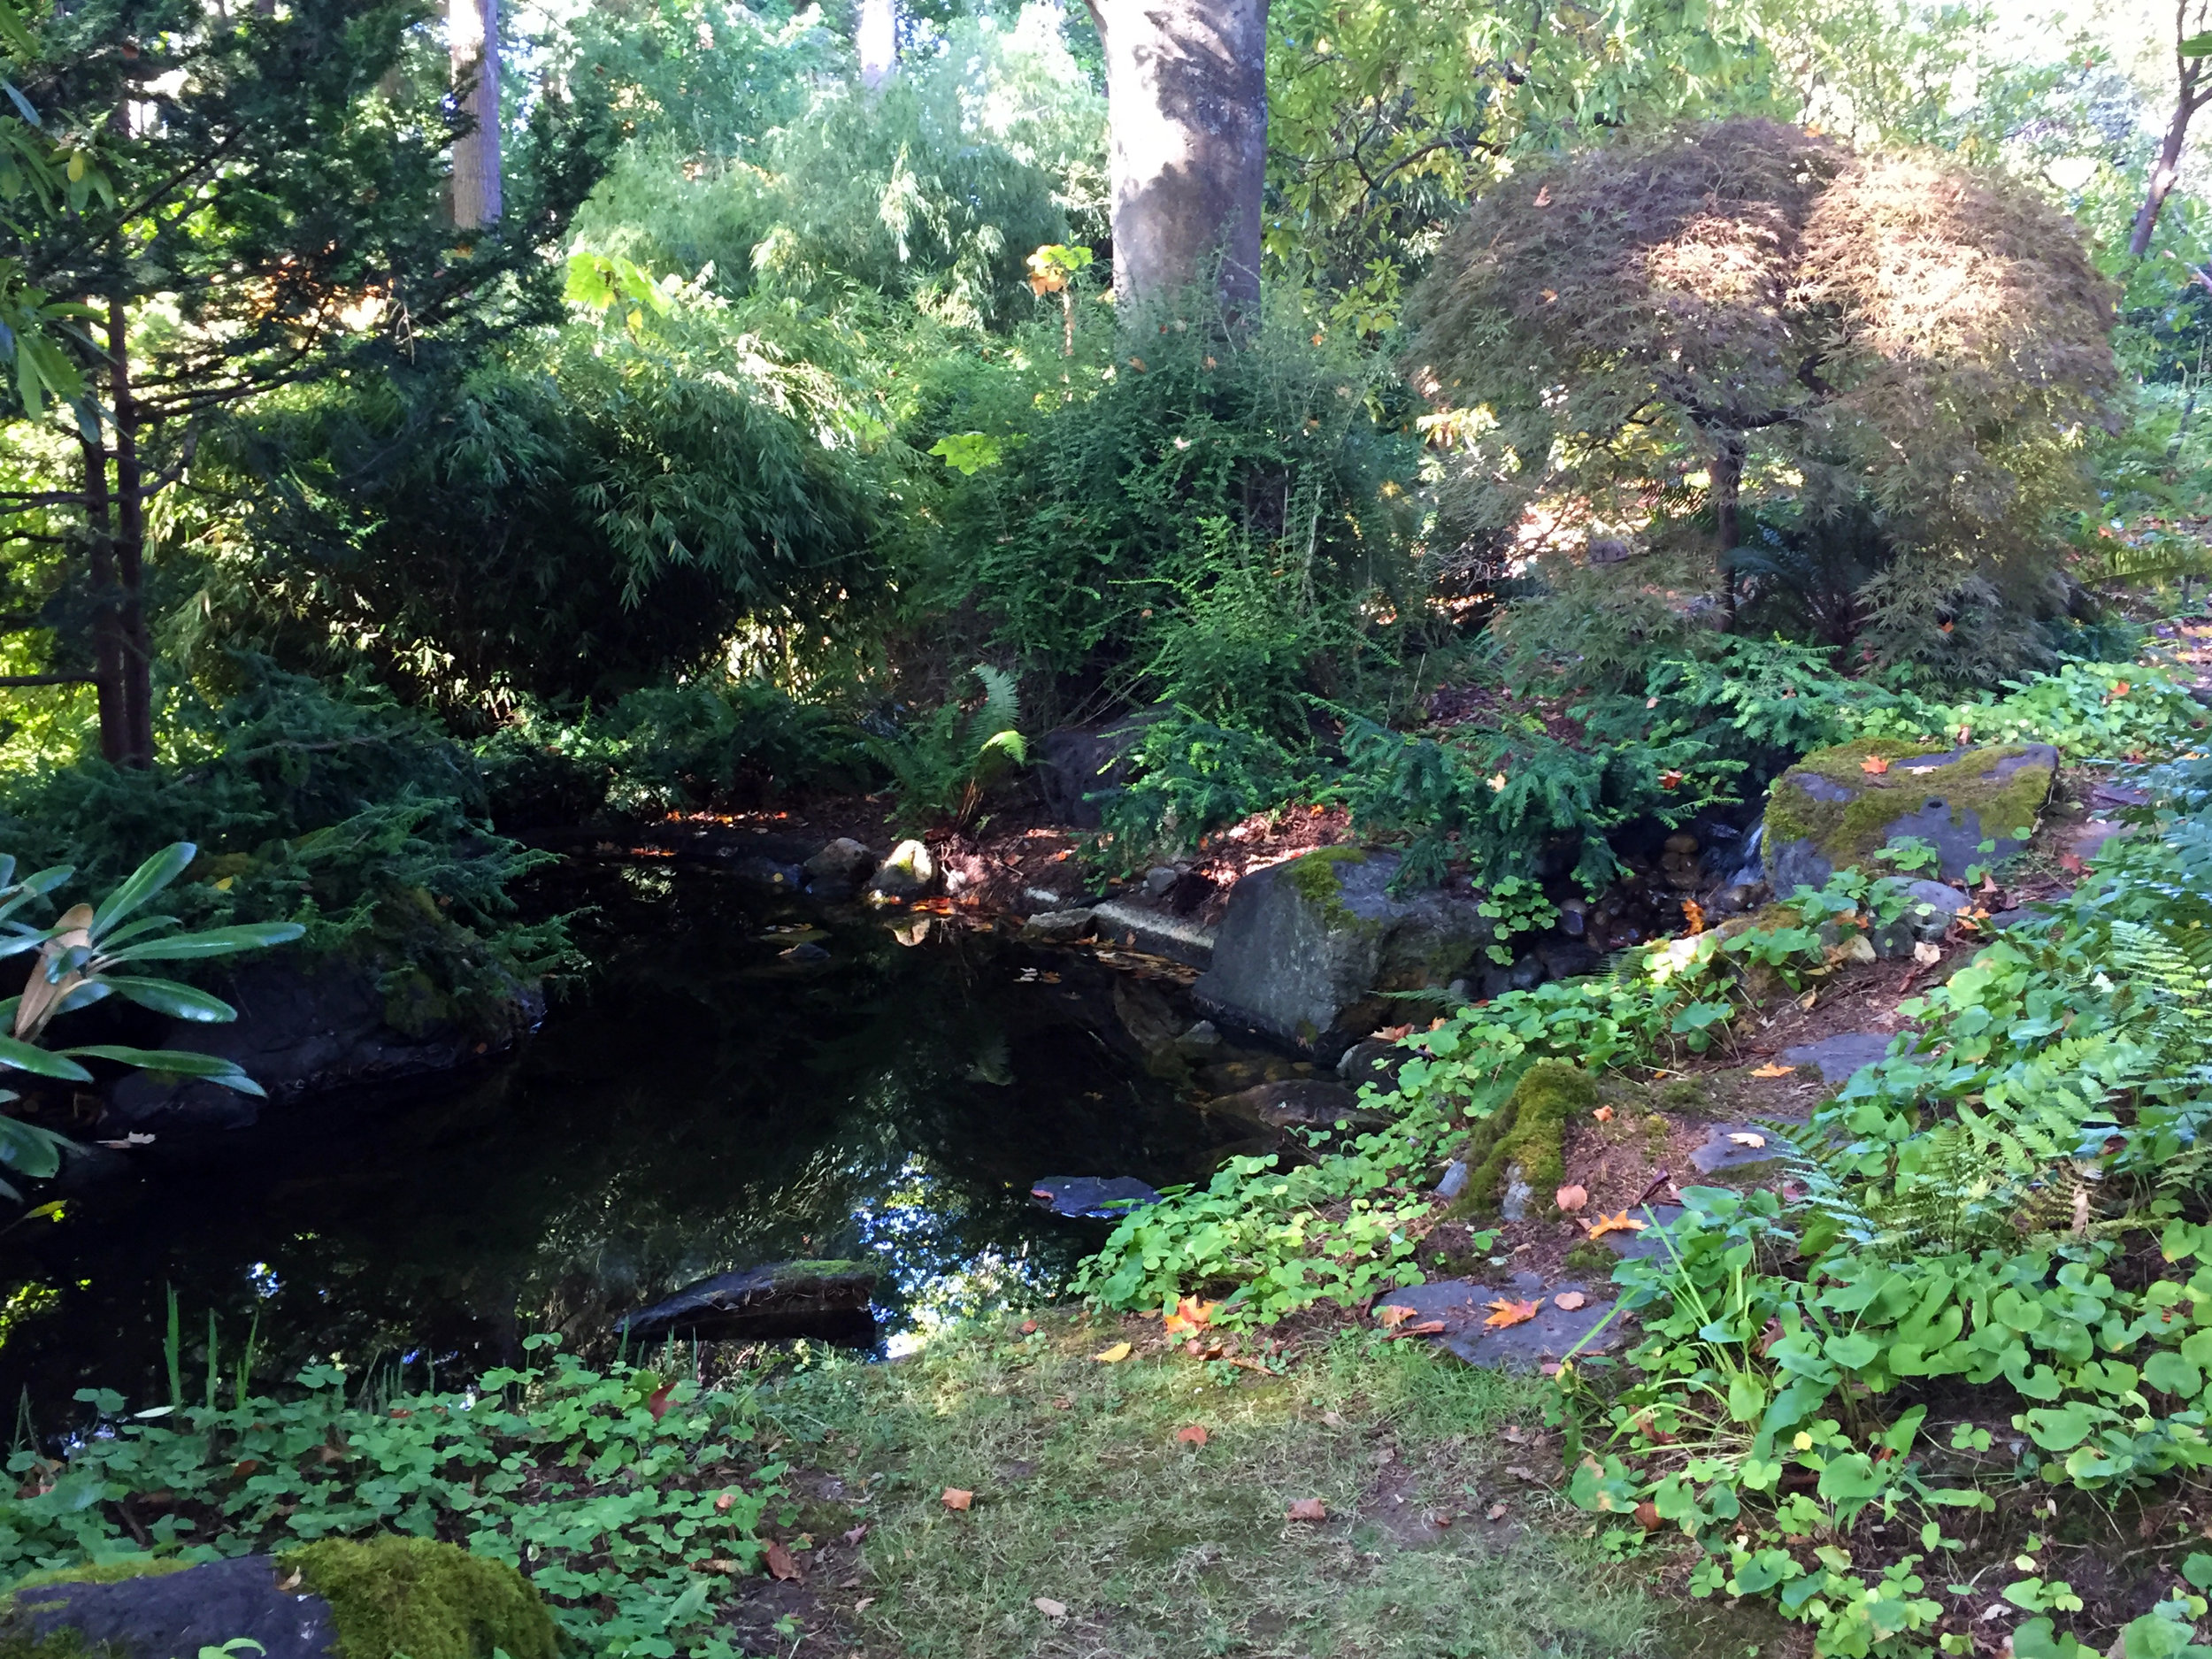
point(1728, 460)
point(107, 637)
point(877, 41)
point(137, 701)
point(1186, 106)
point(472, 44)
point(2187, 101)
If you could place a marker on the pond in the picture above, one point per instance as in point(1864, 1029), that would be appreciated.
point(703, 1101)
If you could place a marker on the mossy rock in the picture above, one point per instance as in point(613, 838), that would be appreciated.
point(335, 1598)
point(416, 1596)
point(1529, 1130)
point(1830, 812)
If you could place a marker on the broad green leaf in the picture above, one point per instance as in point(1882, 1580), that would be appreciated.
point(216, 941)
point(29, 1150)
point(2170, 1374)
point(2058, 1428)
point(40, 1062)
point(142, 883)
point(166, 996)
point(2195, 46)
point(178, 1062)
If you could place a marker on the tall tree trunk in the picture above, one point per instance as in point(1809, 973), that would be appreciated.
point(107, 631)
point(136, 703)
point(1186, 105)
point(877, 40)
point(1728, 459)
point(472, 42)
point(2187, 101)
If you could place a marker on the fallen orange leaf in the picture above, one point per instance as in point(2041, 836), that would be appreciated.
point(1194, 1435)
point(956, 1499)
point(1113, 1355)
point(1427, 1327)
point(1875, 764)
point(1391, 1034)
point(1670, 779)
point(1496, 1511)
point(1604, 1114)
point(1503, 1313)
point(780, 1564)
point(1570, 1198)
point(1390, 1316)
point(1622, 1223)
point(1569, 1300)
point(1775, 1070)
point(1308, 1509)
point(1190, 1314)
point(1648, 1516)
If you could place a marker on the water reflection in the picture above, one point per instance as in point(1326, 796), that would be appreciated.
point(718, 1097)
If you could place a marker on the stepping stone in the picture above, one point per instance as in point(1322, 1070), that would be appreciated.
point(1646, 1245)
point(1723, 1155)
point(1463, 1306)
point(1841, 1054)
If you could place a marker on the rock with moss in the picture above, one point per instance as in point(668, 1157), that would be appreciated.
point(1838, 807)
point(1306, 946)
point(1527, 1134)
point(335, 1598)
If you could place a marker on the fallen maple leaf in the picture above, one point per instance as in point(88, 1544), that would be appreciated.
point(956, 1499)
point(1622, 1223)
point(1049, 1608)
point(1744, 1138)
point(1670, 778)
point(1570, 1198)
point(722, 1505)
point(1775, 1069)
point(1113, 1355)
point(856, 1534)
point(1604, 1114)
point(1391, 1314)
point(1308, 1509)
point(657, 1402)
point(1496, 1512)
point(780, 1565)
point(1427, 1327)
point(1190, 1314)
point(1193, 1435)
point(1029, 1327)
point(1569, 1300)
point(2071, 863)
point(1874, 765)
point(2121, 688)
point(1504, 1312)
point(1391, 1034)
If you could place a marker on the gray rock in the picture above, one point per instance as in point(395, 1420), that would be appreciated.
point(1649, 1242)
point(306, 1026)
point(1159, 879)
point(1057, 927)
point(1453, 1182)
point(1526, 973)
point(1929, 907)
point(770, 875)
point(1568, 958)
point(910, 872)
point(1463, 1307)
point(839, 870)
point(1514, 1205)
point(806, 955)
point(160, 1616)
point(1155, 932)
point(1076, 764)
point(1841, 1056)
point(1937, 798)
point(826, 1301)
point(1091, 1197)
point(1300, 1104)
point(1574, 918)
point(1723, 1155)
point(1372, 1061)
point(1305, 945)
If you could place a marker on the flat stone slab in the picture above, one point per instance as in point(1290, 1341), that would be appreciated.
point(1155, 932)
point(1725, 1154)
point(1647, 1243)
point(1841, 1056)
point(1463, 1306)
point(187, 1612)
point(1092, 1197)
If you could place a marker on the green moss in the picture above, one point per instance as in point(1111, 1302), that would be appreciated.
point(113, 1570)
point(416, 1596)
point(1315, 879)
point(1528, 1130)
point(1846, 831)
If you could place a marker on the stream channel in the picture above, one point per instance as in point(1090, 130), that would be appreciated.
point(697, 1102)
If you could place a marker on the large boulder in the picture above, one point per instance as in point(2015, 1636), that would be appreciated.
point(1306, 946)
point(334, 1599)
point(309, 1025)
point(1838, 807)
point(827, 1301)
point(1073, 764)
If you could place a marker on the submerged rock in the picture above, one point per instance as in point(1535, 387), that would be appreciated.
point(1057, 927)
point(1838, 807)
point(1300, 1103)
point(1306, 945)
point(839, 870)
point(827, 1301)
point(1091, 1197)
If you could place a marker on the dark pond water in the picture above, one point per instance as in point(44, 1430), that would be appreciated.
point(701, 1103)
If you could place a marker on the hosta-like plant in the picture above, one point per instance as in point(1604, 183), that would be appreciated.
point(92, 952)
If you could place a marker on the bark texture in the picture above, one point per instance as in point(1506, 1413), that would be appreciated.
point(2192, 92)
point(473, 40)
point(1187, 97)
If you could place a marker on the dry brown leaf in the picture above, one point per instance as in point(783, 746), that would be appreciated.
point(1875, 766)
point(722, 1505)
point(1648, 1516)
point(1308, 1509)
point(856, 1534)
point(1604, 1114)
point(1504, 1312)
point(1571, 1199)
point(1194, 1435)
point(1062, 1402)
point(1049, 1608)
point(1744, 1138)
point(1496, 1512)
point(1113, 1355)
point(1777, 1069)
point(864, 1604)
point(956, 1498)
point(1806, 1002)
point(1427, 1327)
point(1029, 1327)
point(1622, 1223)
point(1390, 1316)
point(1569, 1300)
point(780, 1565)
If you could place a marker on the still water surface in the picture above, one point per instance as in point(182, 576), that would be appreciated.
point(700, 1102)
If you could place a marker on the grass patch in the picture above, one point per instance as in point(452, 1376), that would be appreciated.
point(1084, 1496)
